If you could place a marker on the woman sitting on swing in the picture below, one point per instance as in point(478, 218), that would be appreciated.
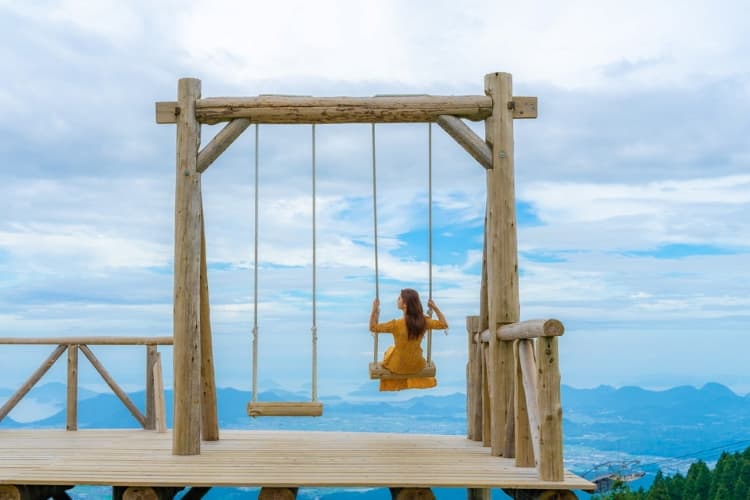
point(405, 356)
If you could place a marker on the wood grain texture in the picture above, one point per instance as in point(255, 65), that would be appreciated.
point(209, 404)
point(71, 420)
point(473, 383)
point(502, 252)
point(467, 139)
point(378, 372)
point(527, 387)
point(151, 352)
point(529, 329)
point(282, 459)
point(113, 385)
point(285, 409)
point(550, 410)
point(524, 107)
point(221, 142)
point(187, 256)
point(86, 340)
point(26, 387)
point(300, 109)
point(160, 412)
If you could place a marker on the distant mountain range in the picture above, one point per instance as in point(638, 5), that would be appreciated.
point(675, 422)
point(668, 423)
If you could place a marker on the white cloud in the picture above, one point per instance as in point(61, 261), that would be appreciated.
point(61, 243)
point(578, 44)
point(705, 211)
point(639, 144)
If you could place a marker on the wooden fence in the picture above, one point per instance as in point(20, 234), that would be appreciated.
point(532, 413)
point(155, 415)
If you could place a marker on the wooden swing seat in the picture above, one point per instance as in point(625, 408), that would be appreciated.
point(377, 372)
point(285, 409)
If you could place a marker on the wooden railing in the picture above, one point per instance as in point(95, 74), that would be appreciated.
point(154, 417)
point(532, 414)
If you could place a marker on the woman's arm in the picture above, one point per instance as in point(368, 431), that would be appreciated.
point(374, 315)
point(441, 318)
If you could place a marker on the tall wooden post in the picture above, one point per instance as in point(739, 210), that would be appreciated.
point(187, 255)
point(209, 413)
point(550, 410)
point(150, 395)
point(473, 382)
point(525, 456)
point(72, 398)
point(502, 258)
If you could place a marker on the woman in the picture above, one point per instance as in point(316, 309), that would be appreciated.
point(405, 356)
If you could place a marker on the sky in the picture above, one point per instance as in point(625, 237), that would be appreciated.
point(632, 185)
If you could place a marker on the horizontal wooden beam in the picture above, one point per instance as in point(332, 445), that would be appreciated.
point(464, 136)
point(294, 109)
point(523, 107)
point(221, 142)
point(86, 341)
point(530, 329)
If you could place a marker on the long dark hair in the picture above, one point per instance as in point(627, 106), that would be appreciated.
point(413, 315)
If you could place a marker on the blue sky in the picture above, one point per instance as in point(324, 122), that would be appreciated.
point(633, 184)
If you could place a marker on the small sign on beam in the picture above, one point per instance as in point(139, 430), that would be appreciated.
point(523, 107)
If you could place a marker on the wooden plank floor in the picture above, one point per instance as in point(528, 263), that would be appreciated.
point(261, 458)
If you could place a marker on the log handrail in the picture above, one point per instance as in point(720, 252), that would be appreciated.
point(529, 329)
point(86, 341)
point(73, 345)
point(537, 389)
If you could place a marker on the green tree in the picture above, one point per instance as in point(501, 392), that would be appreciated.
point(658, 490)
point(697, 482)
point(722, 493)
point(718, 472)
point(744, 473)
point(740, 489)
point(676, 487)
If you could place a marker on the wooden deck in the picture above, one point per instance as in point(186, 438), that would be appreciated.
point(261, 458)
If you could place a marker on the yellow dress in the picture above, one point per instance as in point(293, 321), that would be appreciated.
point(405, 355)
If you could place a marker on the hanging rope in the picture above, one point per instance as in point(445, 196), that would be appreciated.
point(429, 237)
point(375, 231)
point(255, 277)
point(429, 234)
point(314, 329)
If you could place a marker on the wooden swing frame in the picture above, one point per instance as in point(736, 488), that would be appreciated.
point(195, 413)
